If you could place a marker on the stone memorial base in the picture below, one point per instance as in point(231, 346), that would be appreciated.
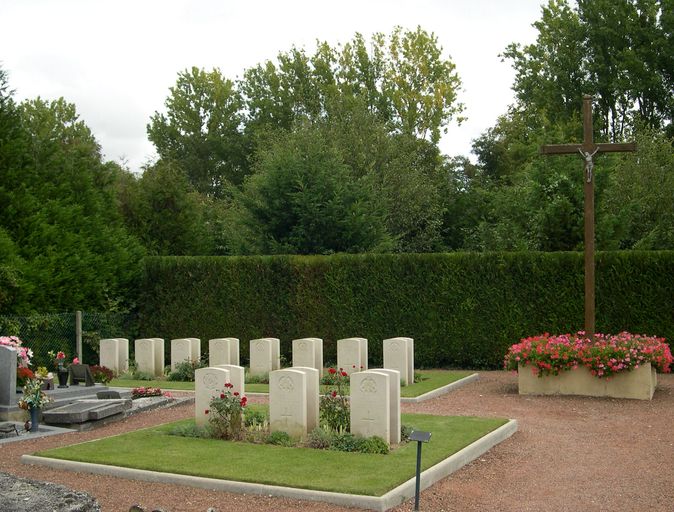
point(638, 384)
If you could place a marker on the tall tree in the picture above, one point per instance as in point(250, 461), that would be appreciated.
point(619, 51)
point(57, 210)
point(200, 131)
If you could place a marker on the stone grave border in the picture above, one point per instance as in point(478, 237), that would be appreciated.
point(382, 503)
point(442, 390)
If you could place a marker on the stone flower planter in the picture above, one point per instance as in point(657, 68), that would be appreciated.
point(638, 384)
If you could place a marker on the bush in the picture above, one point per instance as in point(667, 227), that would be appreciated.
point(280, 438)
point(405, 432)
point(335, 409)
point(374, 444)
point(226, 415)
point(320, 438)
point(184, 371)
point(254, 418)
point(463, 309)
point(101, 374)
point(346, 442)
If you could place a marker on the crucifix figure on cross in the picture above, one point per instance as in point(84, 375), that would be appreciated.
point(587, 150)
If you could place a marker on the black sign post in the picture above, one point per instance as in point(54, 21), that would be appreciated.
point(420, 437)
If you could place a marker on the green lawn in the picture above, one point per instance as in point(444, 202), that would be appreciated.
point(433, 379)
point(366, 474)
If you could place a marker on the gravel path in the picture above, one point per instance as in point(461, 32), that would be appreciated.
point(570, 454)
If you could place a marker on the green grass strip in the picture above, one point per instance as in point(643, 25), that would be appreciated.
point(433, 379)
point(365, 474)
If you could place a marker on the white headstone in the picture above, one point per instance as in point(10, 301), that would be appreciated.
point(394, 392)
point(308, 352)
point(122, 355)
point(184, 349)
point(223, 351)
point(159, 356)
point(236, 377)
point(8, 360)
point(371, 404)
point(399, 355)
point(313, 398)
point(288, 402)
point(265, 356)
point(208, 383)
point(109, 354)
point(196, 349)
point(144, 350)
point(352, 354)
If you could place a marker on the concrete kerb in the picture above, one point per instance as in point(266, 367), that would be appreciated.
point(441, 391)
point(379, 503)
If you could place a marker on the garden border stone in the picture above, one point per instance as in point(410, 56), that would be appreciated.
point(382, 503)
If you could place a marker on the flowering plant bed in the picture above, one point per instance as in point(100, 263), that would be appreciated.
point(621, 366)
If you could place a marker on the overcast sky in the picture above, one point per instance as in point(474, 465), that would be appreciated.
point(117, 59)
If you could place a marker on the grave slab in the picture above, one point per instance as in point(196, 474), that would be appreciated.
point(394, 391)
point(85, 410)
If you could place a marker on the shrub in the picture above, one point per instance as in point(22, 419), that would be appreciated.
point(254, 418)
point(134, 374)
point(463, 309)
point(280, 438)
point(374, 444)
point(605, 355)
point(345, 442)
point(257, 379)
point(335, 411)
point(184, 371)
point(225, 419)
point(320, 438)
point(101, 374)
point(405, 432)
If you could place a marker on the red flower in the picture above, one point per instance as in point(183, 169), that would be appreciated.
point(344, 374)
point(332, 371)
point(334, 394)
point(229, 385)
point(354, 365)
point(243, 401)
point(222, 395)
point(236, 393)
point(206, 411)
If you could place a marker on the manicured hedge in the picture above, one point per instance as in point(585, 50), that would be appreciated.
point(463, 309)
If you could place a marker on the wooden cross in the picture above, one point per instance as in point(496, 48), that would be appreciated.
point(587, 150)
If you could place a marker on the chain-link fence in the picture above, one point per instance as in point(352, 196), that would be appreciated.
point(59, 332)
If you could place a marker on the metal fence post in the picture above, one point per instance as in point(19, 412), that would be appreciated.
point(78, 335)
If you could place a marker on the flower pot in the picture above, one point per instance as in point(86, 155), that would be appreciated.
point(63, 378)
point(638, 384)
point(34, 419)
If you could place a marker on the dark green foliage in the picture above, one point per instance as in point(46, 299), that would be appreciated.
point(320, 438)
point(280, 439)
point(374, 444)
point(184, 371)
point(463, 309)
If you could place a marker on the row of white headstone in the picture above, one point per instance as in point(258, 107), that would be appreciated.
point(265, 354)
point(294, 399)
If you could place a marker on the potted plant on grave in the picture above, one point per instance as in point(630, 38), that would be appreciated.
point(61, 366)
point(33, 400)
point(23, 355)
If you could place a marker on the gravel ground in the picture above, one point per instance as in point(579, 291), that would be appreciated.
point(570, 454)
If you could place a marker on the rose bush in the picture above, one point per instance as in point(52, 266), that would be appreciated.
point(605, 355)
